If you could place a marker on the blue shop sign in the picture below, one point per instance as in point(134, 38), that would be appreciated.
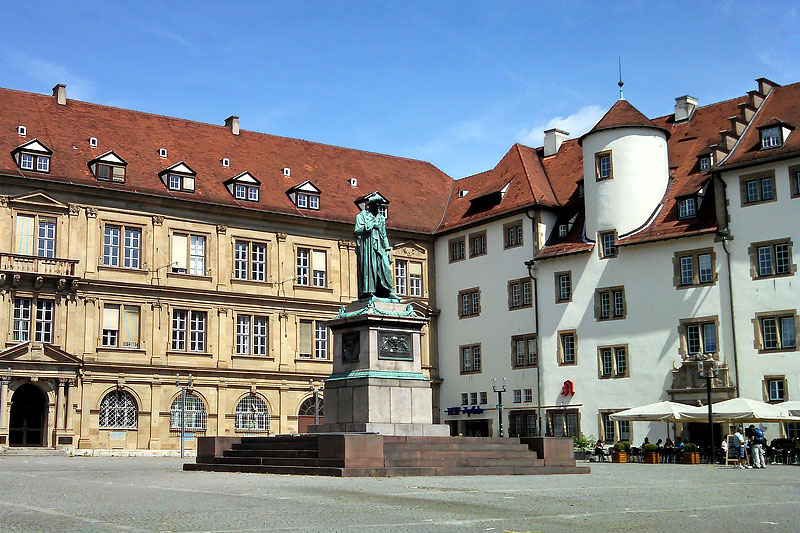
point(473, 410)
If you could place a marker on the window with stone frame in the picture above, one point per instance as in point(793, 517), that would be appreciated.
point(563, 289)
point(609, 303)
point(477, 244)
point(311, 268)
point(608, 244)
point(694, 268)
point(252, 334)
point(775, 389)
point(191, 412)
point(757, 188)
point(567, 348)
point(120, 326)
point(33, 319)
point(614, 430)
point(613, 361)
point(563, 422)
point(35, 235)
point(776, 331)
point(519, 294)
point(189, 330)
point(457, 249)
point(512, 234)
point(469, 303)
point(517, 395)
point(252, 415)
point(603, 166)
point(122, 246)
point(118, 410)
point(524, 351)
point(470, 358)
point(698, 336)
point(189, 254)
point(249, 260)
point(794, 181)
point(771, 259)
point(408, 277)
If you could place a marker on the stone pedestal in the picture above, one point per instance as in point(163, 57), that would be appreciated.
point(377, 384)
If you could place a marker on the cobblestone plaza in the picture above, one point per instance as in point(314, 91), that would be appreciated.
point(153, 494)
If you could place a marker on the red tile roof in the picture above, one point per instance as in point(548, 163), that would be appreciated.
point(418, 191)
point(781, 105)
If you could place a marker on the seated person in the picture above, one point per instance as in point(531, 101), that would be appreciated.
point(646, 442)
point(679, 445)
point(599, 450)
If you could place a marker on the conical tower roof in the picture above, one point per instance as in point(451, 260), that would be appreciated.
point(623, 115)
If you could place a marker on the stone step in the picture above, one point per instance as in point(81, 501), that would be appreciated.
point(36, 451)
point(270, 453)
point(455, 446)
point(276, 461)
point(261, 469)
point(277, 445)
point(465, 461)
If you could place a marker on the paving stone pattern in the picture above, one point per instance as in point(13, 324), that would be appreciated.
point(154, 494)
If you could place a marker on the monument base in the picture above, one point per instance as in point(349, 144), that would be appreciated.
point(419, 430)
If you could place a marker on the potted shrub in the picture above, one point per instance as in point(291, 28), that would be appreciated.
point(690, 454)
point(583, 446)
point(620, 453)
point(650, 451)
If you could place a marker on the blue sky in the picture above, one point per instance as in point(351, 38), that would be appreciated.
point(455, 83)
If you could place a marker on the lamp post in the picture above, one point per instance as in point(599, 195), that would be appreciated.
point(707, 370)
point(499, 390)
point(184, 388)
point(315, 391)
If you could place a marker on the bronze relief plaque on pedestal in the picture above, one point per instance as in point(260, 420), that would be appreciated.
point(395, 345)
point(351, 346)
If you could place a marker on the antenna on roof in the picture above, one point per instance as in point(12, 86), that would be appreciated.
point(621, 83)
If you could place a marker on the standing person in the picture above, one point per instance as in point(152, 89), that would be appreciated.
point(748, 436)
point(373, 253)
point(757, 447)
point(740, 442)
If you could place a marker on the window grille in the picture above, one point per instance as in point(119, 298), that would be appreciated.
point(118, 410)
point(307, 407)
point(252, 414)
point(194, 415)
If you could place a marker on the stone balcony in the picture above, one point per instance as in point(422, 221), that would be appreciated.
point(16, 269)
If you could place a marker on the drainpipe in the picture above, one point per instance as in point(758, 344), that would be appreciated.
point(532, 274)
point(723, 235)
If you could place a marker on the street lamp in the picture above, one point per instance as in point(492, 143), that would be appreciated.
point(315, 391)
point(499, 390)
point(184, 388)
point(707, 369)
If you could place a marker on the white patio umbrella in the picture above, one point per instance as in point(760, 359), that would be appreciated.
point(655, 412)
point(790, 407)
point(741, 410)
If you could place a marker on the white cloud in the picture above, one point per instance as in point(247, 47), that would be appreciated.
point(454, 135)
point(78, 87)
point(576, 124)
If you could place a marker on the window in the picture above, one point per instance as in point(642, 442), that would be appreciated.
point(614, 431)
point(312, 340)
point(180, 182)
point(512, 234)
point(693, 268)
point(43, 329)
point(524, 352)
point(698, 336)
point(567, 348)
point(563, 423)
point(519, 294)
point(307, 201)
point(473, 398)
point(311, 267)
point(240, 191)
point(757, 189)
point(470, 358)
point(196, 329)
point(771, 259)
point(408, 277)
point(21, 329)
point(794, 184)
point(522, 424)
point(118, 410)
point(775, 389)
point(106, 172)
point(193, 414)
point(687, 207)
point(252, 414)
point(705, 163)
point(129, 248)
point(602, 166)
point(464, 398)
point(563, 286)
point(189, 250)
point(484, 398)
point(120, 326)
point(456, 247)
point(613, 361)
point(252, 335)
point(528, 395)
point(777, 332)
point(477, 244)
point(562, 230)
point(771, 137)
point(35, 235)
point(608, 244)
point(245, 192)
point(37, 162)
point(609, 303)
point(517, 396)
point(250, 261)
point(469, 303)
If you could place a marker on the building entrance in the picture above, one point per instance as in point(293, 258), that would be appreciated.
point(26, 423)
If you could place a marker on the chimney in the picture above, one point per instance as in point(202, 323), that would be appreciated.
point(685, 107)
point(60, 93)
point(233, 123)
point(553, 139)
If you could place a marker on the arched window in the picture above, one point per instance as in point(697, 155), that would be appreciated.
point(252, 414)
point(307, 407)
point(194, 416)
point(118, 410)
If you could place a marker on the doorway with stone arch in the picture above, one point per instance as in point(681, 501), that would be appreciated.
point(27, 419)
point(305, 415)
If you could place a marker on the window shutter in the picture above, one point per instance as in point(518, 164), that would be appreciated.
point(111, 317)
point(179, 251)
point(318, 260)
point(305, 337)
point(130, 327)
point(414, 268)
point(25, 235)
point(188, 183)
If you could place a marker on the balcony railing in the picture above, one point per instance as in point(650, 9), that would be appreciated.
point(46, 266)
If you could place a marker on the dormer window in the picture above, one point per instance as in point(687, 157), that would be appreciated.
point(383, 206)
point(179, 177)
point(562, 230)
point(771, 137)
point(244, 186)
point(383, 210)
point(305, 195)
point(580, 189)
point(687, 207)
point(108, 167)
point(33, 155)
point(705, 162)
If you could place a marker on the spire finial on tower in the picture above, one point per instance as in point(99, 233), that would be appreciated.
point(621, 83)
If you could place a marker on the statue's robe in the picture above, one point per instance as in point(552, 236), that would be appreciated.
point(372, 252)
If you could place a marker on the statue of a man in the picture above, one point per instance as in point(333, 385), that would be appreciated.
point(373, 253)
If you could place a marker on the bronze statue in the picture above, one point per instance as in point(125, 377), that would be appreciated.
point(373, 253)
